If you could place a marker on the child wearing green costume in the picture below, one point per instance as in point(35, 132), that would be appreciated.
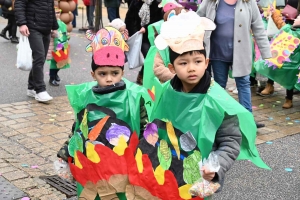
point(217, 122)
point(61, 50)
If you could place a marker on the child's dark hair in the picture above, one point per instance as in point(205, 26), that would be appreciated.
point(174, 55)
point(94, 66)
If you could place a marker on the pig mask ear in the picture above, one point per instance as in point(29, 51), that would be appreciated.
point(208, 24)
point(160, 43)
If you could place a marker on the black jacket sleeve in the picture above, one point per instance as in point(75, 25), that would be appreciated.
point(55, 24)
point(20, 12)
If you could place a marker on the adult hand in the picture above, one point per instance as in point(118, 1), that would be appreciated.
point(24, 30)
point(54, 33)
point(206, 174)
point(143, 30)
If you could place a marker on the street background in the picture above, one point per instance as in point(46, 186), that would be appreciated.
point(31, 133)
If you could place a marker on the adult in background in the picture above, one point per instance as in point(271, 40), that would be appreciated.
point(36, 19)
point(75, 13)
point(112, 7)
point(230, 43)
point(90, 8)
point(11, 27)
point(140, 15)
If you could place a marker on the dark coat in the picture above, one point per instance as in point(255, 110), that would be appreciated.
point(36, 14)
point(133, 21)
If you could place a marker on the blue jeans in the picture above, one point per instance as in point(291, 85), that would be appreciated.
point(220, 72)
point(113, 13)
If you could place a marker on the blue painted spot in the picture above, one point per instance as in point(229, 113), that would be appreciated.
point(269, 142)
point(288, 169)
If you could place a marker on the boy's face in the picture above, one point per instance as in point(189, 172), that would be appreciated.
point(189, 68)
point(106, 76)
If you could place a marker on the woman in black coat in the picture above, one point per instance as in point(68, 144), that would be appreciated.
point(134, 24)
point(11, 27)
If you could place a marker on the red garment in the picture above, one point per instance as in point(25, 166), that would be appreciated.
point(87, 2)
point(76, 1)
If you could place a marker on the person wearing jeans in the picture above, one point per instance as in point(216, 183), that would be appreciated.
point(112, 9)
point(230, 44)
point(36, 19)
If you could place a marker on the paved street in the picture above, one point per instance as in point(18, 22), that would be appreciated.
point(31, 133)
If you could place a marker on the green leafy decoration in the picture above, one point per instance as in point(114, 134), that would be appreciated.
point(75, 144)
point(191, 171)
point(83, 126)
point(164, 155)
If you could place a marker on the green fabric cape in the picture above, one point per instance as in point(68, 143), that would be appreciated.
point(287, 74)
point(125, 103)
point(202, 115)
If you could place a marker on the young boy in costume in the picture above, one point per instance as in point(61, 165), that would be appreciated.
point(110, 89)
point(217, 122)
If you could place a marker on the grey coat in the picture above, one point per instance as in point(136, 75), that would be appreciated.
point(227, 146)
point(247, 18)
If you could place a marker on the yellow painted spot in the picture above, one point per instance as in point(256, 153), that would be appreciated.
point(184, 191)
point(91, 153)
point(153, 90)
point(77, 162)
point(159, 174)
point(120, 148)
point(139, 161)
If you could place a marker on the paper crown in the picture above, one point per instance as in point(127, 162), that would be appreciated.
point(108, 47)
point(168, 5)
point(184, 32)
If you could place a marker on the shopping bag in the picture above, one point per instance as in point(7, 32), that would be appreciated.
point(271, 28)
point(24, 57)
point(134, 56)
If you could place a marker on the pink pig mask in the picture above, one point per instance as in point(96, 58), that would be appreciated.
point(184, 32)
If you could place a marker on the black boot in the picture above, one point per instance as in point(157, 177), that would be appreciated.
point(14, 40)
point(3, 34)
point(53, 82)
point(57, 78)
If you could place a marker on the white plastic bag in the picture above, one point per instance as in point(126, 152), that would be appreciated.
point(62, 169)
point(24, 58)
point(134, 56)
point(271, 28)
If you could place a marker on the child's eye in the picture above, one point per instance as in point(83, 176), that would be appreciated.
point(102, 74)
point(198, 61)
point(183, 63)
point(115, 73)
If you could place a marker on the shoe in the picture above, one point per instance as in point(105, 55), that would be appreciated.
point(57, 78)
point(3, 34)
point(53, 82)
point(259, 90)
point(43, 97)
point(268, 90)
point(139, 80)
point(231, 89)
point(31, 93)
point(14, 40)
point(287, 104)
point(235, 91)
point(259, 125)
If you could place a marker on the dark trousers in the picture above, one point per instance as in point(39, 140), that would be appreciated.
point(75, 13)
point(90, 15)
point(11, 26)
point(144, 49)
point(53, 73)
point(113, 13)
point(289, 93)
point(39, 44)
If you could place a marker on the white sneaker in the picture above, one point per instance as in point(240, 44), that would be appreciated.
point(31, 93)
point(43, 97)
point(231, 89)
point(235, 91)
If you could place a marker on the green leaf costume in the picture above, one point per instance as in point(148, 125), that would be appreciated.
point(287, 75)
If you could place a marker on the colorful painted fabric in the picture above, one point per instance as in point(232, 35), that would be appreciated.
point(61, 48)
point(207, 114)
point(287, 73)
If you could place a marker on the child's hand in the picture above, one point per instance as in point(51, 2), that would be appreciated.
point(206, 174)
